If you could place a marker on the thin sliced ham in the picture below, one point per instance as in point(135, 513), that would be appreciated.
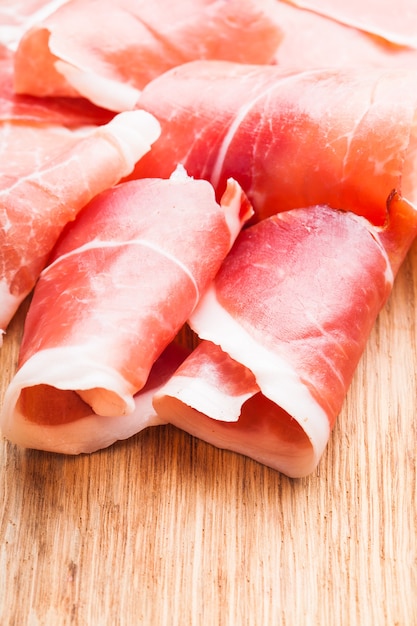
point(72, 427)
point(68, 112)
point(122, 281)
point(283, 327)
point(64, 54)
point(49, 175)
point(337, 136)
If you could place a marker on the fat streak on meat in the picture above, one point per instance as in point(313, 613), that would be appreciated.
point(340, 136)
point(45, 184)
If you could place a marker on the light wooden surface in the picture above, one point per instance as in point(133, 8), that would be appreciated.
point(165, 530)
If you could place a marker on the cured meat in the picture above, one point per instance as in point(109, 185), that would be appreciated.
point(65, 55)
point(283, 327)
point(311, 40)
point(69, 112)
point(48, 176)
point(337, 136)
point(122, 281)
point(71, 427)
point(394, 22)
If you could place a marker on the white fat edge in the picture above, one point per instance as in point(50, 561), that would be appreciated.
point(87, 434)
point(180, 174)
point(10, 35)
point(275, 377)
point(231, 203)
point(104, 92)
point(101, 244)
point(133, 132)
point(204, 397)
point(277, 454)
point(66, 368)
point(9, 304)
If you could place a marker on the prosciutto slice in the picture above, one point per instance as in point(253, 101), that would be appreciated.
point(65, 55)
point(70, 426)
point(68, 112)
point(122, 282)
point(48, 175)
point(283, 327)
point(343, 137)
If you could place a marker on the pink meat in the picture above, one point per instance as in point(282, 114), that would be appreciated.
point(293, 304)
point(70, 112)
point(123, 280)
point(71, 427)
point(65, 54)
point(343, 137)
point(49, 174)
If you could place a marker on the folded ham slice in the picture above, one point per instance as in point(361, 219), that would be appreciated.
point(49, 175)
point(72, 427)
point(123, 279)
point(283, 327)
point(107, 51)
point(69, 112)
point(343, 137)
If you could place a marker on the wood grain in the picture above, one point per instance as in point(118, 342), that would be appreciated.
point(163, 529)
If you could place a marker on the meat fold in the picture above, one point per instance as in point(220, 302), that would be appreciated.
point(282, 328)
point(68, 112)
point(50, 173)
point(345, 137)
point(108, 51)
point(122, 281)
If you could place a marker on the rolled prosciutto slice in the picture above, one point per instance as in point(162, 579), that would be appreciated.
point(70, 426)
point(283, 327)
point(123, 280)
point(337, 136)
point(49, 175)
point(65, 53)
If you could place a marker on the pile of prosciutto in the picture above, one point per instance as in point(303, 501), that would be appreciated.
point(243, 173)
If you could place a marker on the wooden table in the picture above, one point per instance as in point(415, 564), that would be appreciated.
point(163, 529)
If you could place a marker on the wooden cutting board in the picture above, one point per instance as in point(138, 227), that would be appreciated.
point(163, 529)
